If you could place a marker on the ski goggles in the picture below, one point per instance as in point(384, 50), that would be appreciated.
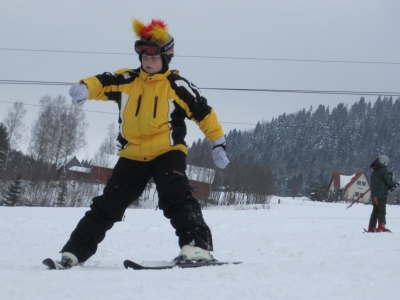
point(151, 48)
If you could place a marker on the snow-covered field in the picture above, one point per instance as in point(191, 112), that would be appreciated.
point(294, 250)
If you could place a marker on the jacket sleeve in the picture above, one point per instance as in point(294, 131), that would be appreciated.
point(196, 107)
point(107, 86)
point(388, 180)
point(211, 127)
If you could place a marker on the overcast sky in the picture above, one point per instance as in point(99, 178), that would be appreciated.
point(338, 45)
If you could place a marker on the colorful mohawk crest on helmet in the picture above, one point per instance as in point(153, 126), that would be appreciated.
point(155, 31)
point(154, 39)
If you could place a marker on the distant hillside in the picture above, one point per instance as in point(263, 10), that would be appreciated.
point(307, 147)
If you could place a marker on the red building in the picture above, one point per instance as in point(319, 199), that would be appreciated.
point(200, 179)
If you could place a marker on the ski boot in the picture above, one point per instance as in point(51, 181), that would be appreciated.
point(382, 228)
point(193, 254)
point(68, 260)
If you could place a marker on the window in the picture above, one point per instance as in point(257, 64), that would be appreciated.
point(357, 194)
point(358, 182)
point(364, 183)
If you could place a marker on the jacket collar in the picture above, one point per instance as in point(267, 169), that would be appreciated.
point(156, 77)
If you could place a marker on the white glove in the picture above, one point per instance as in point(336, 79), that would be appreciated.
point(79, 93)
point(219, 154)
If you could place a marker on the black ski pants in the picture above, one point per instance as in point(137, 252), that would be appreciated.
point(378, 212)
point(126, 184)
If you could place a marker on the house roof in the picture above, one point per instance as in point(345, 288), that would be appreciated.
point(343, 181)
point(60, 165)
point(80, 169)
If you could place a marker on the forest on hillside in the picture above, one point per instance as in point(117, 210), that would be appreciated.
point(290, 155)
point(300, 151)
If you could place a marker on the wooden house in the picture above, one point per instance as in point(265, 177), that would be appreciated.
point(200, 180)
point(64, 168)
point(102, 172)
point(352, 186)
point(80, 173)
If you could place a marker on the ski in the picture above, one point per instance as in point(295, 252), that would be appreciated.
point(50, 264)
point(365, 230)
point(128, 264)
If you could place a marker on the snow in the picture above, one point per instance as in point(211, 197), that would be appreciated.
point(297, 249)
point(80, 169)
point(345, 179)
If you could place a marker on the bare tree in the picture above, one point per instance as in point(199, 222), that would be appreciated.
point(15, 128)
point(243, 183)
point(109, 144)
point(108, 147)
point(58, 132)
point(39, 144)
point(70, 131)
point(3, 145)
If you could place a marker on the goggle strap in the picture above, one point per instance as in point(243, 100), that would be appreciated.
point(167, 46)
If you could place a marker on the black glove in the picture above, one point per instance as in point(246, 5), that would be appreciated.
point(394, 187)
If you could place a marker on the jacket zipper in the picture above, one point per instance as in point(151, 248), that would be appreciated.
point(155, 107)
point(138, 105)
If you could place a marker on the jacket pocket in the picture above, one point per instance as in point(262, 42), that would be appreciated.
point(171, 186)
point(112, 188)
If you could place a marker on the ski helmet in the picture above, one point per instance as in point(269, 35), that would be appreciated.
point(153, 39)
point(384, 160)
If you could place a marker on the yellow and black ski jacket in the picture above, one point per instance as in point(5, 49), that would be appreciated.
point(152, 110)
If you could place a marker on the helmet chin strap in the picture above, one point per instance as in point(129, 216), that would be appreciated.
point(165, 64)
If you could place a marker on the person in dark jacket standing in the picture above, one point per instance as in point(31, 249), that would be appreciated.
point(381, 183)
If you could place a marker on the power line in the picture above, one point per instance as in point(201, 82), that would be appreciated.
point(109, 113)
point(29, 82)
point(357, 93)
point(310, 92)
point(211, 57)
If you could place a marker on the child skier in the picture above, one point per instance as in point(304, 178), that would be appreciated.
point(381, 183)
point(153, 103)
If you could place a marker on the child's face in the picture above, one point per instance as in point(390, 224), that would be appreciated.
point(152, 64)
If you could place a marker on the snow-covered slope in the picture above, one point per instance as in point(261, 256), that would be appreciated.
point(295, 250)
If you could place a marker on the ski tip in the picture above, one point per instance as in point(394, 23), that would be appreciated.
point(49, 263)
point(126, 264)
point(130, 264)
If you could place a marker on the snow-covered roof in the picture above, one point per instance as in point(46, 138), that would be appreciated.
point(343, 181)
point(80, 169)
point(200, 174)
point(60, 165)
